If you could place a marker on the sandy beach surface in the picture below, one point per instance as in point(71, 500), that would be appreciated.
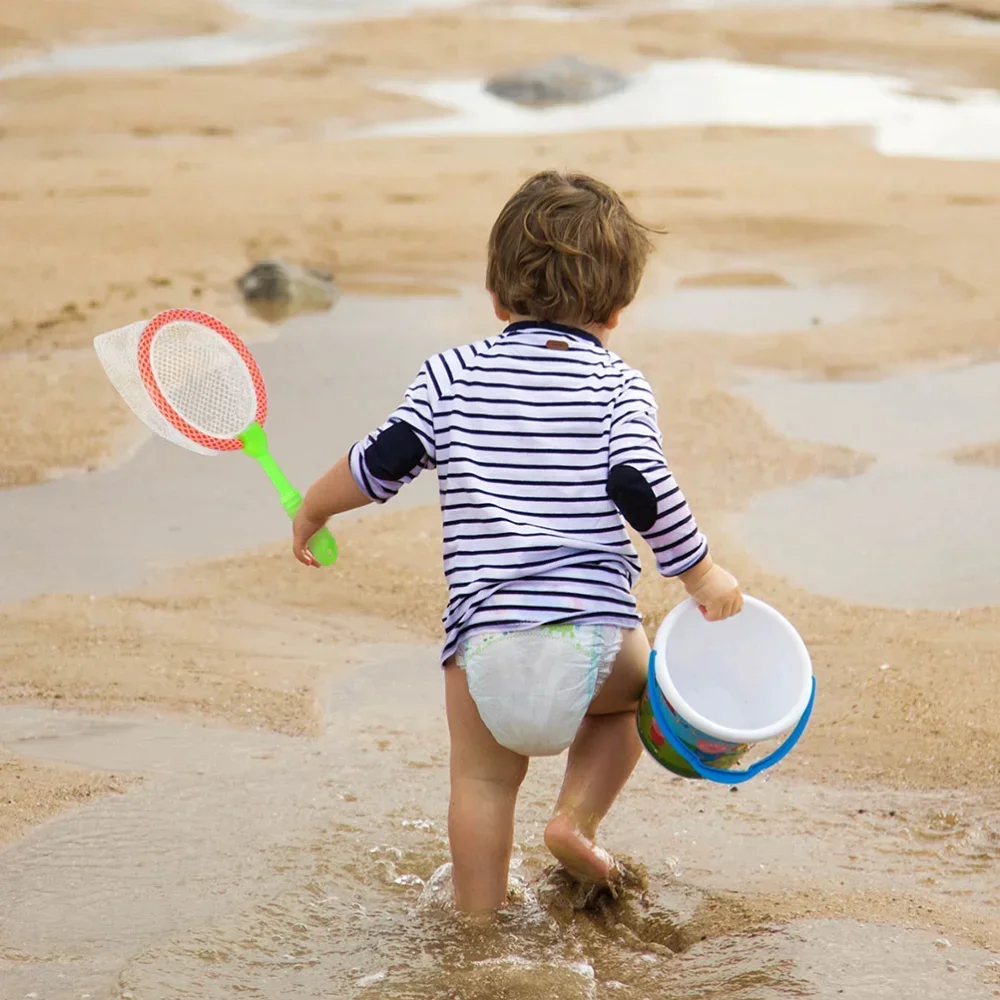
point(237, 769)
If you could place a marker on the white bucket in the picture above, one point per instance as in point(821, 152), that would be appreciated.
point(717, 688)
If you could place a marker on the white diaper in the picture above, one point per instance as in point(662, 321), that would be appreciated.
point(533, 687)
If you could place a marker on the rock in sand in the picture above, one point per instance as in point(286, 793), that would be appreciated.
point(565, 80)
point(275, 289)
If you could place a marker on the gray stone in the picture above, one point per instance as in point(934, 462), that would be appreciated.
point(275, 289)
point(565, 80)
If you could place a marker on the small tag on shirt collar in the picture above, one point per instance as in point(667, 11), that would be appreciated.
point(557, 345)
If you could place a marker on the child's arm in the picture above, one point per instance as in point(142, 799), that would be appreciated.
point(643, 488)
point(332, 494)
point(376, 468)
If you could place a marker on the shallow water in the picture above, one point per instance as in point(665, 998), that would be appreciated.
point(914, 414)
point(313, 11)
point(969, 25)
point(330, 380)
point(714, 92)
point(604, 11)
point(229, 48)
point(915, 530)
point(276, 28)
point(264, 866)
point(746, 309)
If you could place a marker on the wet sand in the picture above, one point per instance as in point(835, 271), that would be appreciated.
point(307, 880)
point(31, 792)
point(155, 629)
point(988, 455)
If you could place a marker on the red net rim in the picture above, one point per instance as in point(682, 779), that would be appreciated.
point(153, 327)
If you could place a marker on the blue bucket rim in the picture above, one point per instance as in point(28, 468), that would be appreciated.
point(693, 718)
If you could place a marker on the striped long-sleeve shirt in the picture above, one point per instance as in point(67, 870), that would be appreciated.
point(541, 439)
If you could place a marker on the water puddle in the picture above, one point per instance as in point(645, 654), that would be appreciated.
point(925, 412)
point(952, 841)
point(272, 33)
point(964, 20)
point(275, 30)
point(974, 26)
point(329, 380)
point(316, 11)
point(915, 530)
point(275, 867)
point(747, 304)
point(961, 125)
point(607, 11)
point(229, 48)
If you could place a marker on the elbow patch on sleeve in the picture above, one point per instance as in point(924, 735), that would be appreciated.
point(633, 496)
point(395, 453)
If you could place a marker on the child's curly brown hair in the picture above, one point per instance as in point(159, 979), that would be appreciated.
point(566, 249)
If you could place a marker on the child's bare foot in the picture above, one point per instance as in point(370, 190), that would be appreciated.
point(580, 856)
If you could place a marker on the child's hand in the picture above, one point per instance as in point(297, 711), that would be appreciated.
point(332, 494)
point(717, 593)
point(303, 528)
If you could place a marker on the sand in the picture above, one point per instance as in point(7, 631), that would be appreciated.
point(121, 194)
point(124, 194)
point(40, 25)
point(30, 792)
point(139, 174)
point(989, 455)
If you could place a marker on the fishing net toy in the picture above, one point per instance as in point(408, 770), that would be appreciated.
point(191, 380)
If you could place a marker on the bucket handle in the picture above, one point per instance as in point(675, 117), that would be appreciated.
point(718, 774)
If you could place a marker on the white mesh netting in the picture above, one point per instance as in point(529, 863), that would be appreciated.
point(118, 352)
point(203, 377)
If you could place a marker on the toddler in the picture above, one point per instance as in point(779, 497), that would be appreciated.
point(545, 445)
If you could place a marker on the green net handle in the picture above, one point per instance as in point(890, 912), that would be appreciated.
point(322, 545)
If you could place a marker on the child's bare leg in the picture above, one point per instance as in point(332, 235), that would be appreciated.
point(601, 759)
point(485, 778)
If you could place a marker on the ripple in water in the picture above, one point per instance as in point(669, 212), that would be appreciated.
point(963, 844)
point(379, 924)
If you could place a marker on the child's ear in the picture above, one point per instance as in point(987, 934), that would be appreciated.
point(613, 320)
point(502, 314)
